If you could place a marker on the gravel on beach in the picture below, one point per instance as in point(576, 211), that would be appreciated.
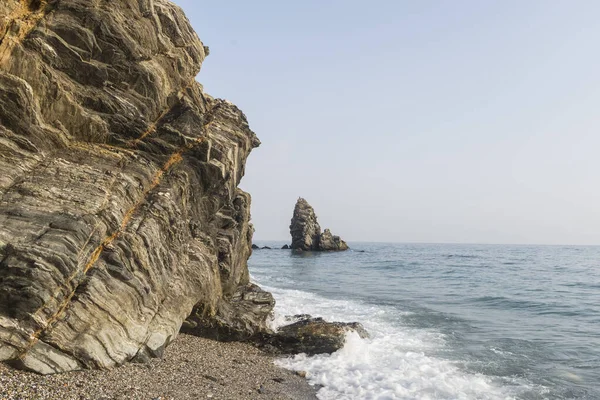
point(193, 368)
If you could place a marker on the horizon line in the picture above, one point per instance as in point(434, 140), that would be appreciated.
point(453, 243)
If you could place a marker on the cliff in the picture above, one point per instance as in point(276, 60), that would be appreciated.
point(306, 231)
point(120, 213)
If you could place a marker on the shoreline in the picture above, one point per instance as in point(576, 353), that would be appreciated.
point(192, 368)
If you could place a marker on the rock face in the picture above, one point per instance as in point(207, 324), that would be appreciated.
point(237, 319)
point(120, 213)
point(306, 231)
point(313, 336)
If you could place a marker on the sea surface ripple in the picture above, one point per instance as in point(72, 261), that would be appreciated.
point(447, 321)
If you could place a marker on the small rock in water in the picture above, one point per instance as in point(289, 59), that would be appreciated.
point(312, 335)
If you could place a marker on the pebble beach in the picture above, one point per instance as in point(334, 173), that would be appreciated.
point(193, 368)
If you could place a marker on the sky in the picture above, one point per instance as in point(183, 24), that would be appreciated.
point(415, 121)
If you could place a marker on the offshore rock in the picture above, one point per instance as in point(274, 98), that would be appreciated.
point(120, 211)
point(329, 242)
point(313, 336)
point(306, 231)
point(305, 228)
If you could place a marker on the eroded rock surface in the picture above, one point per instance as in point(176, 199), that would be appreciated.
point(119, 206)
point(306, 231)
point(240, 318)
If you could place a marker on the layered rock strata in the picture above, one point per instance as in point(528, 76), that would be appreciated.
point(306, 231)
point(119, 206)
point(239, 318)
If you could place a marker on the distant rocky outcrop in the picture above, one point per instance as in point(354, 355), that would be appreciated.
point(255, 247)
point(306, 231)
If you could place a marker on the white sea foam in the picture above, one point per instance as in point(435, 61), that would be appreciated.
point(395, 363)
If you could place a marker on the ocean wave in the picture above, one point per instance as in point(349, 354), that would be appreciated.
point(395, 363)
point(462, 256)
point(502, 302)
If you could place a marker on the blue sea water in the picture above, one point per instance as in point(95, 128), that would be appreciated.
point(446, 321)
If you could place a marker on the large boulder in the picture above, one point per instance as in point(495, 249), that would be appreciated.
point(120, 211)
point(312, 336)
point(306, 231)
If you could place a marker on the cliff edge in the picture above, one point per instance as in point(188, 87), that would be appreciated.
point(120, 213)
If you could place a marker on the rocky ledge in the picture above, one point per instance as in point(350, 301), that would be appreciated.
point(306, 231)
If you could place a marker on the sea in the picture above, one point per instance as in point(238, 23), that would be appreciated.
point(446, 321)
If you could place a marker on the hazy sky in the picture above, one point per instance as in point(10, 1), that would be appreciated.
point(416, 121)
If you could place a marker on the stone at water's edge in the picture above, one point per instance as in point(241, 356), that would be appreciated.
point(312, 336)
point(243, 318)
point(120, 211)
point(306, 231)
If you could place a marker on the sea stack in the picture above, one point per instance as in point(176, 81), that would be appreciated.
point(306, 231)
